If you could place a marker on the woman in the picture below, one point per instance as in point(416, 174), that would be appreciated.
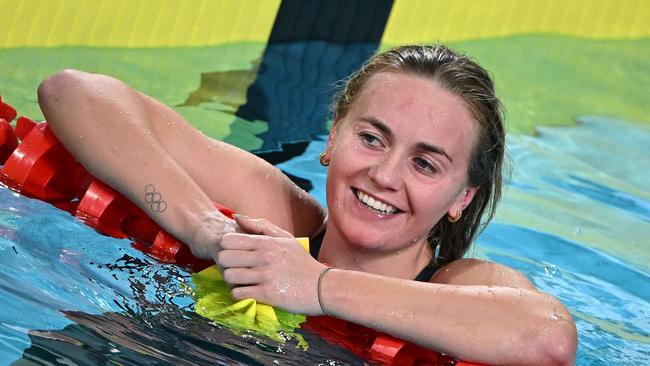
point(414, 158)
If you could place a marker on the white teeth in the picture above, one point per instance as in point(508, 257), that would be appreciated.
point(376, 204)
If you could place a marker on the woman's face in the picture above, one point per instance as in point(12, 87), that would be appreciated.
point(398, 162)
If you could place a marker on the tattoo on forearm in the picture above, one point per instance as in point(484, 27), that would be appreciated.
point(154, 199)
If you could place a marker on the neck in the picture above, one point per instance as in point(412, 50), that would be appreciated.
point(405, 263)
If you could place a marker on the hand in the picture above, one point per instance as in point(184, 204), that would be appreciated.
point(207, 237)
point(268, 264)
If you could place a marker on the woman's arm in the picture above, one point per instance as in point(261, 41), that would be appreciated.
point(475, 320)
point(484, 312)
point(135, 144)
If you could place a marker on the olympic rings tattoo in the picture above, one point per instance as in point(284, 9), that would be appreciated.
point(154, 199)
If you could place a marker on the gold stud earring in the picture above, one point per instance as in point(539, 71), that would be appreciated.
point(324, 160)
point(453, 219)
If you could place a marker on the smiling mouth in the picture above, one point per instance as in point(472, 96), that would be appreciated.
point(376, 205)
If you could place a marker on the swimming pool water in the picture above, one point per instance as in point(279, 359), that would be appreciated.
point(575, 219)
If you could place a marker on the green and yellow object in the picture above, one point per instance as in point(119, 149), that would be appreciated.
point(214, 302)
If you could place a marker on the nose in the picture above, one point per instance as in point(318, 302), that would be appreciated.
point(385, 173)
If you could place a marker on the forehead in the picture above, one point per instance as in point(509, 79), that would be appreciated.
point(418, 108)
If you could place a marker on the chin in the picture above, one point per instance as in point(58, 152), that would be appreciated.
point(366, 239)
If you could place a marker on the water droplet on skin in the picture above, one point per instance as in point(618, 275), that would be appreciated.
point(491, 291)
point(282, 289)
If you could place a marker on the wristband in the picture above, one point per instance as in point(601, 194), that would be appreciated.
point(320, 280)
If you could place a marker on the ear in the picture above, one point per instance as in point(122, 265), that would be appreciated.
point(462, 201)
point(333, 133)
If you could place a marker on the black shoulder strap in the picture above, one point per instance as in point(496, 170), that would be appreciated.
point(315, 244)
point(426, 273)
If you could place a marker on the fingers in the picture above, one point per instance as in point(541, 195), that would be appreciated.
point(242, 276)
point(246, 292)
point(237, 241)
point(260, 227)
point(237, 258)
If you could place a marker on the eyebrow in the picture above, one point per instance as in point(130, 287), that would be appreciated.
point(381, 126)
point(420, 145)
point(433, 149)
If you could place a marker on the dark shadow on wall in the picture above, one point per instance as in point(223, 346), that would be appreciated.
point(313, 45)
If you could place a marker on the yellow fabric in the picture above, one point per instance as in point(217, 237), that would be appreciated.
point(214, 302)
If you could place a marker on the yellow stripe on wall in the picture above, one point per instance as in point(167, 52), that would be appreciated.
point(134, 23)
point(420, 21)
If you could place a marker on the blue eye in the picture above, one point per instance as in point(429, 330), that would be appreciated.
point(425, 166)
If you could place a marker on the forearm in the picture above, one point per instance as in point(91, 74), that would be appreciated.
point(493, 325)
point(108, 129)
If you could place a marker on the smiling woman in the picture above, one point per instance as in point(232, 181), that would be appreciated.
point(403, 143)
point(414, 160)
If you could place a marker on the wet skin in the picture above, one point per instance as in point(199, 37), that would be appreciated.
point(406, 141)
point(264, 261)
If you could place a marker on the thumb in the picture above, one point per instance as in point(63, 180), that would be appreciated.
point(259, 227)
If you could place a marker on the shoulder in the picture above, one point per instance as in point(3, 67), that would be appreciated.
point(479, 272)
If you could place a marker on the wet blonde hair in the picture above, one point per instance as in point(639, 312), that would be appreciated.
point(472, 83)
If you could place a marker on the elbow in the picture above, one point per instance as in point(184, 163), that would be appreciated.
point(55, 92)
point(561, 349)
point(551, 338)
point(65, 96)
point(55, 88)
point(59, 89)
point(559, 341)
point(64, 89)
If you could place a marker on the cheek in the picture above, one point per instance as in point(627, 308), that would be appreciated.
point(342, 147)
point(434, 200)
point(346, 160)
point(335, 181)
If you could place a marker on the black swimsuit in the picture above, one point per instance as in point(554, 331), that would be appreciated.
point(424, 276)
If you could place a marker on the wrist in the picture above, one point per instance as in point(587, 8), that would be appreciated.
point(209, 228)
point(320, 291)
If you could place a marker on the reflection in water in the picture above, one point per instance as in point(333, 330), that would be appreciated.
point(172, 337)
point(157, 324)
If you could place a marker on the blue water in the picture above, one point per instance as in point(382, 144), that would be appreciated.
point(575, 219)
